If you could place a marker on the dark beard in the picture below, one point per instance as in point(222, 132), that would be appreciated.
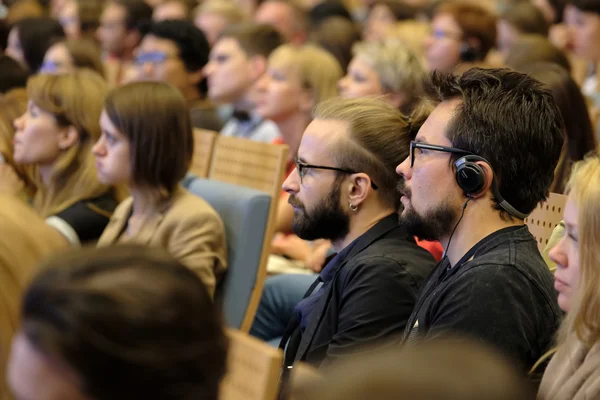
point(434, 225)
point(326, 221)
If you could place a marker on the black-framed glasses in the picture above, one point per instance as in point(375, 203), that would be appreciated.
point(303, 167)
point(418, 145)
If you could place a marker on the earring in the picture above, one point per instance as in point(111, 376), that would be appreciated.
point(353, 208)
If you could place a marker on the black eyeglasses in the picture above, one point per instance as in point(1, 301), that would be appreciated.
point(417, 145)
point(302, 167)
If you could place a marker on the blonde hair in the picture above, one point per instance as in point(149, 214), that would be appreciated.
point(399, 70)
point(25, 239)
point(85, 53)
point(412, 34)
point(76, 100)
point(223, 8)
point(317, 69)
point(583, 319)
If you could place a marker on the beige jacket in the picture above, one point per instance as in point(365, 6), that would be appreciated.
point(187, 226)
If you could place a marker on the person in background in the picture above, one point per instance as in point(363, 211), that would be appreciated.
point(237, 61)
point(520, 19)
point(81, 18)
point(462, 34)
point(12, 74)
point(134, 309)
point(55, 136)
point(574, 371)
point(337, 35)
point(29, 40)
point(119, 35)
point(174, 9)
point(383, 15)
point(67, 55)
point(24, 241)
point(213, 16)
point(147, 145)
point(176, 52)
point(287, 16)
point(530, 49)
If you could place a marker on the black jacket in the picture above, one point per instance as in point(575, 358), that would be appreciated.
point(369, 298)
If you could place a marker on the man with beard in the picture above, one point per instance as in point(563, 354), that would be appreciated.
point(479, 165)
point(344, 189)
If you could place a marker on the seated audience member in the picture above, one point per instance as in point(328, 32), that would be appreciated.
point(29, 40)
point(463, 184)
point(444, 369)
point(12, 74)
point(65, 56)
point(147, 145)
point(574, 370)
point(343, 189)
point(579, 136)
point(297, 80)
point(237, 61)
point(80, 18)
point(529, 49)
point(325, 10)
point(173, 9)
point(119, 35)
point(384, 14)
point(55, 135)
point(386, 69)
point(462, 34)
point(176, 52)
point(23, 9)
point(213, 16)
point(287, 16)
point(337, 35)
point(128, 323)
point(519, 19)
point(24, 241)
point(553, 11)
point(413, 35)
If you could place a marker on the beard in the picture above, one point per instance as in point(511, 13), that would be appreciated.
point(327, 220)
point(432, 225)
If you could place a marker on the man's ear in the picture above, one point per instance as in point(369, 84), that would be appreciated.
point(195, 77)
point(358, 188)
point(488, 178)
point(67, 137)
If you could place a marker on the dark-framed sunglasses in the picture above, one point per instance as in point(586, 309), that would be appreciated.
point(417, 145)
point(303, 167)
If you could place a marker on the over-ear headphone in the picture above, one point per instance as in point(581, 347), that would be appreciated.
point(470, 177)
point(468, 53)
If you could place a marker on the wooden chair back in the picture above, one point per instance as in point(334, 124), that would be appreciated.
point(204, 142)
point(545, 217)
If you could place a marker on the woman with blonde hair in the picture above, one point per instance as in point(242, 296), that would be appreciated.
point(55, 135)
point(24, 241)
point(67, 55)
point(574, 371)
point(297, 79)
point(147, 145)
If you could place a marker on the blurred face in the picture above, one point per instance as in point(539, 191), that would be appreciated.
point(14, 49)
point(69, 19)
point(281, 93)
point(37, 137)
point(211, 24)
point(112, 31)
point(379, 22)
point(429, 193)
point(278, 15)
point(113, 157)
point(361, 80)
point(566, 256)
point(546, 9)
point(158, 60)
point(507, 36)
point(169, 10)
point(584, 33)
point(443, 44)
point(316, 196)
point(228, 72)
point(32, 375)
point(57, 60)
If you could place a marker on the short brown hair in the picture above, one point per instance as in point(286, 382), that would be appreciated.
point(254, 39)
point(474, 21)
point(529, 49)
point(135, 309)
point(526, 18)
point(85, 53)
point(155, 119)
point(378, 140)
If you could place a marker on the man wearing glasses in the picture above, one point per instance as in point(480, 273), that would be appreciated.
point(479, 165)
point(344, 189)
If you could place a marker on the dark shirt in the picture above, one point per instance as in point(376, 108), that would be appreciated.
point(204, 116)
point(368, 298)
point(500, 292)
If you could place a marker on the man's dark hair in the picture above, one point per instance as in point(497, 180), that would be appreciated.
point(36, 36)
point(592, 6)
point(12, 74)
point(191, 42)
point(138, 13)
point(254, 39)
point(512, 121)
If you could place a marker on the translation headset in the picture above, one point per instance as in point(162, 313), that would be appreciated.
point(470, 177)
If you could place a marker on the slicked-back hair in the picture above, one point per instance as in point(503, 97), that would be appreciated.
point(254, 39)
point(511, 120)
